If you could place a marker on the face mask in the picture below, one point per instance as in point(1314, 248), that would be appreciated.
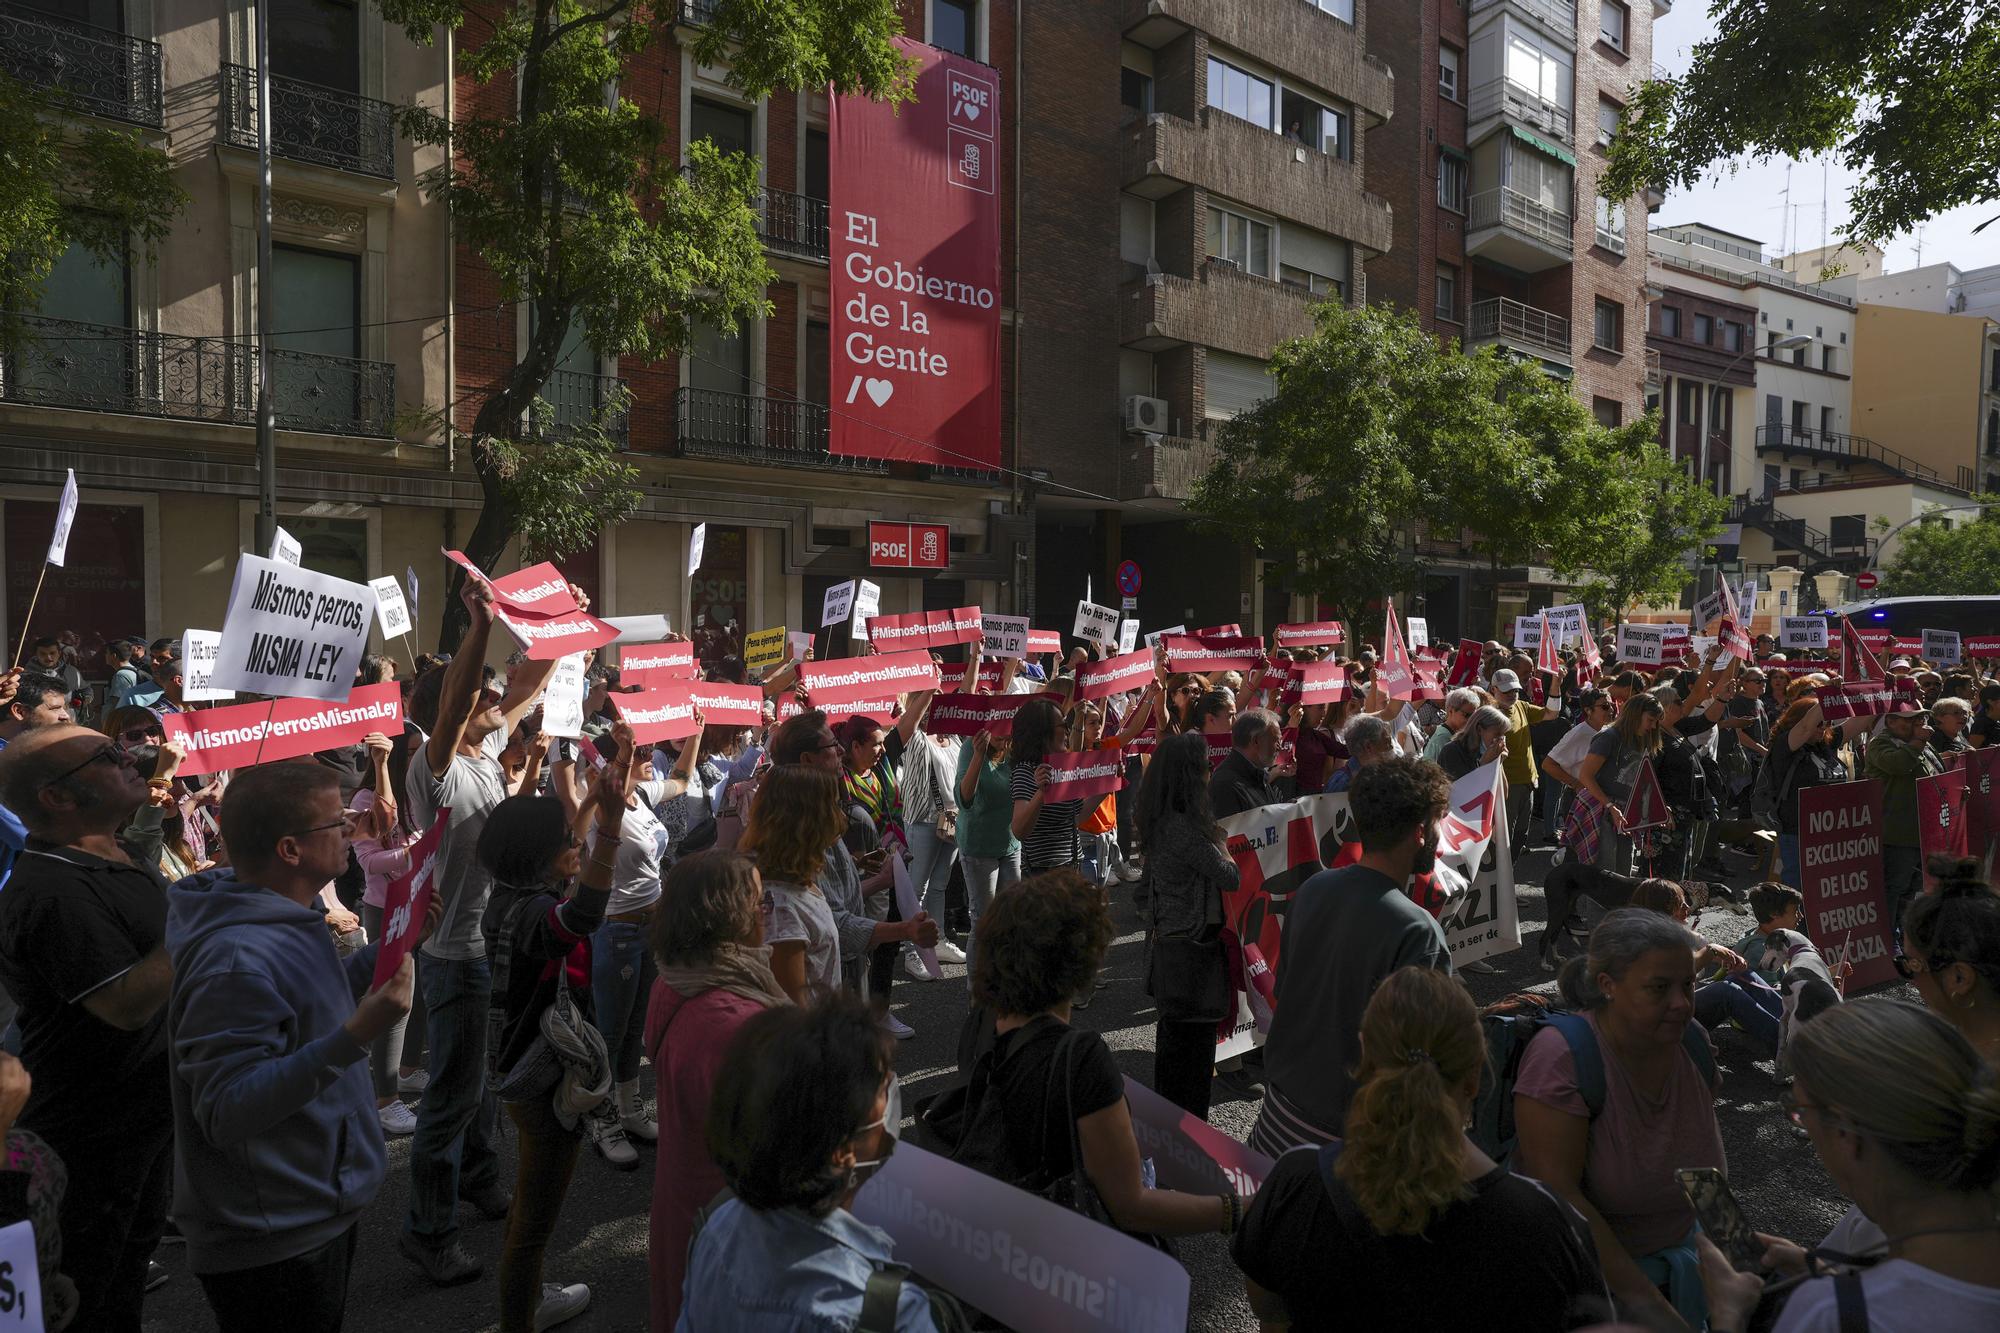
point(891, 1121)
point(1426, 859)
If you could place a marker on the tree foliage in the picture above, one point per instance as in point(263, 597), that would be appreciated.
point(1376, 427)
point(1901, 91)
point(1664, 517)
point(1936, 560)
point(67, 181)
point(580, 203)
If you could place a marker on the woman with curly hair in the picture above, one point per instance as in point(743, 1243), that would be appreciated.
point(1040, 943)
point(1351, 1231)
point(794, 819)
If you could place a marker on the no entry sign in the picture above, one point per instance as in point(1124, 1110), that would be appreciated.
point(1866, 580)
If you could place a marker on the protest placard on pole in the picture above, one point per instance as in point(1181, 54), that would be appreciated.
point(411, 574)
point(867, 605)
point(292, 632)
point(286, 547)
point(764, 649)
point(390, 610)
point(837, 604)
point(1840, 875)
point(1096, 624)
point(1003, 636)
point(1568, 622)
point(1547, 657)
point(562, 698)
point(697, 542)
point(407, 900)
point(1528, 632)
point(1393, 676)
point(1941, 647)
point(1802, 632)
point(200, 650)
point(1159, 636)
point(1128, 634)
point(58, 552)
point(1420, 632)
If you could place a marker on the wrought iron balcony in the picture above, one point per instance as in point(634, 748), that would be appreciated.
point(793, 224)
point(1504, 97)
point(1500, 319)
point(312, 123)
point(49, 362)
point(1558, 16)
point(749, 428)
point(1843, 448)
point(574, 398)
point(100, 72)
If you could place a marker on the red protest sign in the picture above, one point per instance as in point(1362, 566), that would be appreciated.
point(650, 663)
point(262, 733)
point(966, 714)
point(1082, 774)
point(1982, 803)
point(1865, 698)
point(1646, 807)
point(559, 635)
point(1318, 682)
point(1201, 654)
point(1310, 634)
point(407, 900)
point(845, 679)
point(539, 589)
point(1114, 675)
point(1044, 641)
point(727, 705)
point(1465, 665)
point(657, 713)
point(1856, 662)
point(1430, 684)
point(1840, 873)
point(1942, 824)
point(1547, 657)
point(1220, 632)
point(1394, 677)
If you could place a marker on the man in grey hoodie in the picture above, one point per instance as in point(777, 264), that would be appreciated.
point(277, 1147)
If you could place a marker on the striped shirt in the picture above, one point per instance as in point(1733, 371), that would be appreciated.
point(1053, 841)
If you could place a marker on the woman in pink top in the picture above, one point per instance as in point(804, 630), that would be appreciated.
point(1635, 988)
point(715, 975)
point(382, 838)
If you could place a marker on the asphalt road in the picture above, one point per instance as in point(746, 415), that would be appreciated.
point(601, 1239)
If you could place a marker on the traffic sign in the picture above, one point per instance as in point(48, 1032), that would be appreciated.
point(1128, 578)
point(1866, 580)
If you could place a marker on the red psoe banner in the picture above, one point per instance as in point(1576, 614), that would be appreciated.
point(1084, 774)
point(407, 900)
point(915, 230)
point(263, 733)
point(1114, 675)
point(1840, 874)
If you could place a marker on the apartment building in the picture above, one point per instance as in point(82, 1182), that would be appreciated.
point(142, 376)
point(1928, 383)
point(1504, 112)
point(1195, 182)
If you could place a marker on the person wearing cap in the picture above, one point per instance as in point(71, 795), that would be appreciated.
point(1519, 761)
point(1897, 758)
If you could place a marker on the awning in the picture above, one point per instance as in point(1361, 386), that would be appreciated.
point(1540, 144)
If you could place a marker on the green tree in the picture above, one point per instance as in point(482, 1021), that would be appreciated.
point(65, 181)
point(1665, 517)
point(1936, 560)
point(575, 198)
point(1902, 91)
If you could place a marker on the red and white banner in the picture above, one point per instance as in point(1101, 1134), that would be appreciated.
point(559, 635)
point(649, 663)
point(1866, 698)
point(657, 713)
point(966, 714)
point(1084, 774)
point(1394, 677)
point(1316, 683)
point(1044, 641)
point(263, 733)
point(881, 707)
point(1856, 661)
point(1188, 1153)
point(1204, 654)
point(915, 228)
point(1465, 664)
point(1981, 645)
point(1943, 823)
point(844, 679)
point(1310, 634)
point(1840, 875)
point(539, 589)
point(1114, 675)
point(1229, 631)
point(1547, 657)
point(727, 705)
point(926, 629)
point(407, 900)
point(909, 545)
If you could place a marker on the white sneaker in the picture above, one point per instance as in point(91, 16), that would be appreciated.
point(397, 1119)
point(632, 1117)
point(612, 1145)
point(897, 1028)
point(948, 952)
point(1127, 873)
point(913, 967)
point(560, 1304)
point(407, 1084)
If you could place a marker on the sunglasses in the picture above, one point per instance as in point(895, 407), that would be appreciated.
point(140, 735)
point(347, 818)
point(113, 753)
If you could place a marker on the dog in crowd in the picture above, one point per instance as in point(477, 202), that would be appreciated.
point(1569, 883)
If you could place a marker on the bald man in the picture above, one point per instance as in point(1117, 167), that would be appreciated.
point(82, 950)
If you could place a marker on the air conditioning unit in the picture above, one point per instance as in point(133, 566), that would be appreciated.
point(1146, 414)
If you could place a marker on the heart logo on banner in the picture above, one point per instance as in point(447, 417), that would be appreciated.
point(879, 391)
point(971, 110)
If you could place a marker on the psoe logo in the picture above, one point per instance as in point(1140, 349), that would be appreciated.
point(970, 101)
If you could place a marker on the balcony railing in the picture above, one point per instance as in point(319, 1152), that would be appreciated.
point(1559, 16)
point(1614, 241)
point(1503, 207)
point(1515, 322)
point(101, 72)
point(793, 224)
point(138, 372)
point(1498, 97)
point(749, 428)
point(1846, 448)
point(574, 398)
point(312, 123)
point(698, 13)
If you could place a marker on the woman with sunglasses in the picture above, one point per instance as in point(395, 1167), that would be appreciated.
point(1918, 1152)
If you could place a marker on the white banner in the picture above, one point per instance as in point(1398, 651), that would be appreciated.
point(1642, 645)
point(390, 612)
point(639, 629)
point(293, 632)
point(1473, 842)
point(1568, 623)
point(1003, 636)
point(1097, 624)
point(1420, 632)
point(200, 649)
point(800, 643)
point(835, 607)
point(285, 547)
point(1941, 646)
point(65, 520)
point(696, 543)
point(562, 700)
point(1027, 1262)
point(1528, 632)
point(1802, 632)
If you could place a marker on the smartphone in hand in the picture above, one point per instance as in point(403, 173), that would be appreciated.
point(1722, 1217)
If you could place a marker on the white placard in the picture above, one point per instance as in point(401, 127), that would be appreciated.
point(867, 605)
point(696, 543)
point(1707, 610)
point(1642, 645)
point(20, 1269)
point(1802, 632)
point(801, 643)
point(1003, 636)
point(1128, 634)
point(285, 547)
point(1420, 632)
point(639, 629)
point(837, 604)
point(907, 904)
point(293, 632)
point(200, 649)
point(1528, 632)
point(1097, 624)
point(65, 520)
point(1153, 639)
point(562, 700)
point(411, 573)
point(1568, 623)
point(390, 612)
point(1942, 646)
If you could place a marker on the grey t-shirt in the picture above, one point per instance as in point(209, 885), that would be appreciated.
point(470, 788)
point(1621, 764)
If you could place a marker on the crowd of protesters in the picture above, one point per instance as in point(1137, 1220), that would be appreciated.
point(188, 967)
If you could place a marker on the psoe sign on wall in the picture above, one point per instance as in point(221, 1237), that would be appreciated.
point(909, 545)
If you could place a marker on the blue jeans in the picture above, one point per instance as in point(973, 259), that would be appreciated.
point(621, 982)
point(1757, 1008)
point(984, 877)
point(930, 866)
point(1788, 859)
point(451, 1153)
